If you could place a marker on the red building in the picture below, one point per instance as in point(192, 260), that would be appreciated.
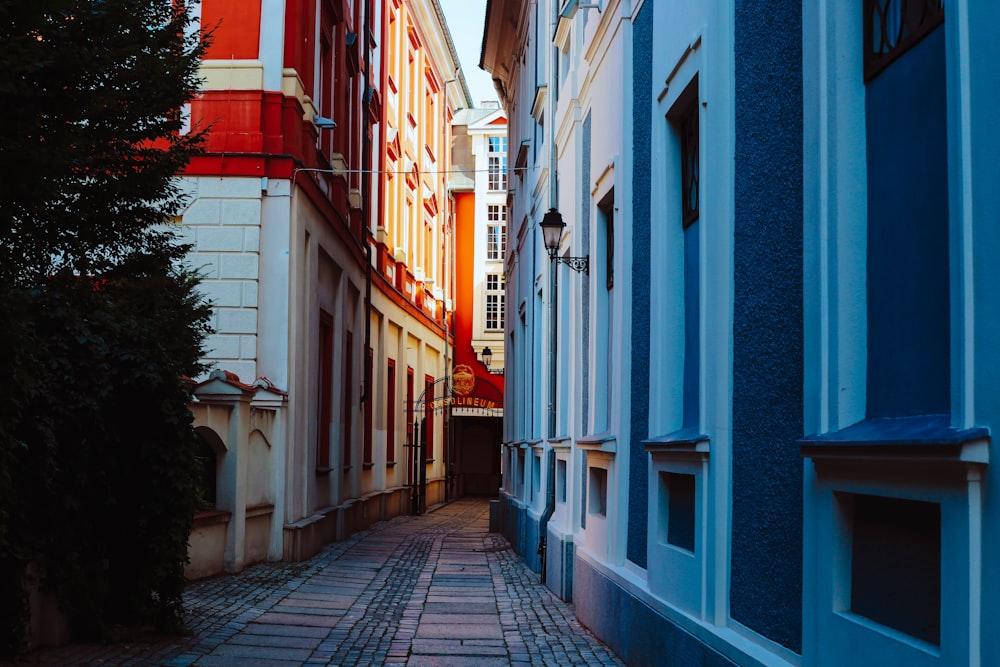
point(479, 189)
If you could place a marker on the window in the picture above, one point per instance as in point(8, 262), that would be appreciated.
point(494, 301)
point(561, 481)
point(498, 163)
point(687, 127)
point(607, 211)
point(536, 476)
point(324, 408)
point(892, 547)
point(428, 263)
point(348, 416)
point(327, 65)
point(908, 263)
point(684, 120)
point(692, 339)
point(520, 473)
point(597, 502)
point(603, 337)
point(896, 563)
point(428, 418)
point(369, 412)
point(677, 504)
point(208, 468)
point(894, 26)
point(410, 407)
point(677, 522)
point(390, 412)
point(496, 232)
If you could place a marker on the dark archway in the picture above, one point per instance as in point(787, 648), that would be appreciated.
point(477, 443)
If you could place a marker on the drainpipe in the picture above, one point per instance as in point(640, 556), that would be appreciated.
point(553, 203)
point(366, 193)
point(446, 279)
point(550, 491)
point(550, 507)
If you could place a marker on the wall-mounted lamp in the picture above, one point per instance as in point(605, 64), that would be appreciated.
point(552, 230)
point(570, 7)
point(323, 123)
point(487, 356)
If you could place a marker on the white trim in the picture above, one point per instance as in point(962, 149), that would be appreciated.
point(272, 42)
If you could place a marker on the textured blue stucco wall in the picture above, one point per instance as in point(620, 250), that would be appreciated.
point(909, 318)
point(631, 628)
point(766, 576)
point(642, 100)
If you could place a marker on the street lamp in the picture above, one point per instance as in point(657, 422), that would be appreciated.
point(552, 225)
point(487, 355)
point(552, 230)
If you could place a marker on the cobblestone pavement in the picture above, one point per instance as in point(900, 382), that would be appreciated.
point(434, 590)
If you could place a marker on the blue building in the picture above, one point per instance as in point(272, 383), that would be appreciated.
point(751, 384)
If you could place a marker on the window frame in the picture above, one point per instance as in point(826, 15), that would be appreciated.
point(324, 407)
point(496, 232)
point(390, 412)
point(495, 297)
point(497, 163)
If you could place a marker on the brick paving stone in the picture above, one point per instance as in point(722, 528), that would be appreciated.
point(434, 590)
point(241, 661)
point(471, 631)
point(456, 661)
point(455, 647)
point(275, 641)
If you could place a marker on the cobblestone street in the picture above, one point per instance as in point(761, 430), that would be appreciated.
point(417, 591)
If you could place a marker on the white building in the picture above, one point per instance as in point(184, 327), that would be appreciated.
point(479, 190)
point(777, 354)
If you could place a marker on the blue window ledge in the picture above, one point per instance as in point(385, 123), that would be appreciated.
point(685, 441)
point(926, 437)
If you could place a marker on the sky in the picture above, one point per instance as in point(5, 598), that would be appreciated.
point(465, 21)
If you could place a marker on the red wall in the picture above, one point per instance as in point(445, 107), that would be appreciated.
point(465, 212)
point(236, 25)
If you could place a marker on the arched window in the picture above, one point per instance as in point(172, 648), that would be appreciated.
point(209, 449)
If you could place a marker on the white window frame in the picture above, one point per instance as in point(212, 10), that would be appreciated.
point(495, 297)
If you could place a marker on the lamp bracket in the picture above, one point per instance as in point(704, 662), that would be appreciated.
point(580, 264)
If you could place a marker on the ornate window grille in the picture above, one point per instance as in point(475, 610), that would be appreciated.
point(892, 27)
point(688, 126)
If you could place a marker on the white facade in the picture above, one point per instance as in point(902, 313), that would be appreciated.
point(488, 135)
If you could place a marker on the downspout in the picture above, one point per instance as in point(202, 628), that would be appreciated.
point(366, 194)
point(550, 492)
point(446, 279)
point(450, 277)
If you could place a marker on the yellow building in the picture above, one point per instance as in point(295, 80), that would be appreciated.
point(411, 347)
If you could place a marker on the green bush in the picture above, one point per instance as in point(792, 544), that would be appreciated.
point(100, 475)
point(100, 322)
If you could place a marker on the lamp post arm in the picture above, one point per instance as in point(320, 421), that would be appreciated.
point(580, 264)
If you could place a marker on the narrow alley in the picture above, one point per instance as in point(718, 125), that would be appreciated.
point(437, 589)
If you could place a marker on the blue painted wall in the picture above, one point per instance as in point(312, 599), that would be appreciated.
point(632, 629)
point(766, 576)
point(692, 326)
point(642, 101)
point(908, 306)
